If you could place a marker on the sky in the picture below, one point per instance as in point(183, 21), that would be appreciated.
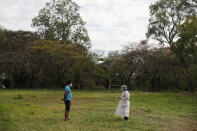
point(111, 24)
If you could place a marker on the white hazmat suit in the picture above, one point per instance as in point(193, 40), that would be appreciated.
point(123, 105)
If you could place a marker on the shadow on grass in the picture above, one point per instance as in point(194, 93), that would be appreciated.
point(18, 97)
point(118, 119)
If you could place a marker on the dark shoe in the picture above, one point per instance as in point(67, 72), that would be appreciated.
point(126, 118)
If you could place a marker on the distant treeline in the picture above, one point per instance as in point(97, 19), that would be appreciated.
point(27, 62)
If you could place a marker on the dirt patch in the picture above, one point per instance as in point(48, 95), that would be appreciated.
point(184, 124)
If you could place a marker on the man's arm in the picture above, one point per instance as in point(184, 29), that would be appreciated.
point(65, 93)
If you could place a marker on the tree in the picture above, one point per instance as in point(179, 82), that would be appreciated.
point(187, 43)
point(186, 49)
point(166, 16)
point(60, 20)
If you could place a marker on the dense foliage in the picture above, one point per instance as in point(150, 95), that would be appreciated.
point(44, 63)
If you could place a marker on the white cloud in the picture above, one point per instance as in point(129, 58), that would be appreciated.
point(110, 23)
point(113, 22)
point(17, 14)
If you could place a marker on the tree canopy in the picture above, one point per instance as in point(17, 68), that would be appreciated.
point(60, 20)
point(165, 18)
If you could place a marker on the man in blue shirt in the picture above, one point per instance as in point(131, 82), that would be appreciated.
point(67, 99)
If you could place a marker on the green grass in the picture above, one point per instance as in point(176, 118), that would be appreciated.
point(41, 110)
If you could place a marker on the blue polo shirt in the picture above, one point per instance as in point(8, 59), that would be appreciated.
point(69, 94)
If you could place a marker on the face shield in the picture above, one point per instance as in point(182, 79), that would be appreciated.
point(123, 88)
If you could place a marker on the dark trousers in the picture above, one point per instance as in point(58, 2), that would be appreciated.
point(67, 105)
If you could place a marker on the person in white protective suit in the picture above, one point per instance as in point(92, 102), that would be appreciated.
point(124, 104)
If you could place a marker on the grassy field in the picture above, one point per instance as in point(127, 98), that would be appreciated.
point(42, 110)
